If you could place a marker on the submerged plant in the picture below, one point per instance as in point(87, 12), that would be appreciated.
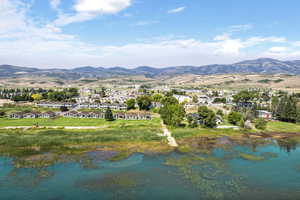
point(251, 157)
point(210, 175)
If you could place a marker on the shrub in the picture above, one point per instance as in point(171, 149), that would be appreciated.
point(235, 117)
point(260, 123)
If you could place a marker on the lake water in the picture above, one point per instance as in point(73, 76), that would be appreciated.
point(240, 172)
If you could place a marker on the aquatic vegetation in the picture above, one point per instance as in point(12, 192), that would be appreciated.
point(251, 157)
point(28, 178)
point(184, 149)
point(130, 161)
point(120, 156)
point(110, 181)
point(208, 174)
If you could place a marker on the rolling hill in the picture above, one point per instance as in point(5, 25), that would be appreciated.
point(258, 66)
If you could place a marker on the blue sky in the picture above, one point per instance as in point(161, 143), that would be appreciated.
point(130, 33)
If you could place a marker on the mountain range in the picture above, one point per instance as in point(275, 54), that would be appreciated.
point(258, 66)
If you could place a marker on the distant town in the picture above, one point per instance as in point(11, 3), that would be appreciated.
point(209, 108)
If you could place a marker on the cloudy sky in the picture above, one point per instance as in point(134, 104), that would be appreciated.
point(158, 33)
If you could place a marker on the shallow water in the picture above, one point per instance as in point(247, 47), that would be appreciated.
point(239, 172)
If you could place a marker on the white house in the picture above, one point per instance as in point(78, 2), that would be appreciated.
point(264, 114)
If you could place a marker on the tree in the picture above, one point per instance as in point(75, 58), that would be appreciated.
point(242, 123)
point(235, 117)
point(2, 113)
point(203, 112)
point(195, 99)
point(245, 96)
point(286, 110)
point(64, 109)
point(169, 100)
point(260, 123)
point(157, 97)
point(109, 115)
point(298, 114)
point(192, 121)
point(220, 113)
point(220, 100)
point(172, 114)
point(210, 121)
point(207, 117)
point(144, 102)
point(37, 97)
point(130, 104)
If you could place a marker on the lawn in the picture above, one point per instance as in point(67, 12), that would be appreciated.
point(77, 122)
point(283, 127)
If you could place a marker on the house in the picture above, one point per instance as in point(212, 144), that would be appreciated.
point(191, 106)
point(31, 115)
point(17, 115)
point(183, 98)
point(55, 104)
point(48, 114)
point(245, 104)
point(97, 115)
point(264, 114)
point(119, 115)
point(71, 114)
point(203, 99)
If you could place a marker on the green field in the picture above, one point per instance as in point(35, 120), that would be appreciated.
point(283, 127)
point(77, 122)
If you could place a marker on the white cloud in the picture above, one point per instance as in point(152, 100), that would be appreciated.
point(241, 27)
point(297, 43)
point(252, 41)
point(145, 23)
point(90, 9)
point(102, 6)
point(225, 36)
point(24, 42)
point(176, 10)
point(54, 4)
point(278, 49)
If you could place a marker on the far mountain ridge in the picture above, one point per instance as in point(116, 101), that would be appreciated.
point(259, 66)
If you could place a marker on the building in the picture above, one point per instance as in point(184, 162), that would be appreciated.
point(55, 104)
point(183, 98)
point(48, 114)
point(31, 115)
point(264, 114)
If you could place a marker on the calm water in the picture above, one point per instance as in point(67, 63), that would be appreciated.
point(271, 173)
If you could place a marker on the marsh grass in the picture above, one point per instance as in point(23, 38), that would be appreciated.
point(126, 137)
point(181, 133)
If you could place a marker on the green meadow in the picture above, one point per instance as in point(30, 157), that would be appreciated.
point(61, 121)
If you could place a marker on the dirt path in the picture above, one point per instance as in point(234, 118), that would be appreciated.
point(171, 140)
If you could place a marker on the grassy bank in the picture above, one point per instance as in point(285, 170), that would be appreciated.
point(119, 135)
point(180, 133)
point(283, 127)
point(61, 121)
